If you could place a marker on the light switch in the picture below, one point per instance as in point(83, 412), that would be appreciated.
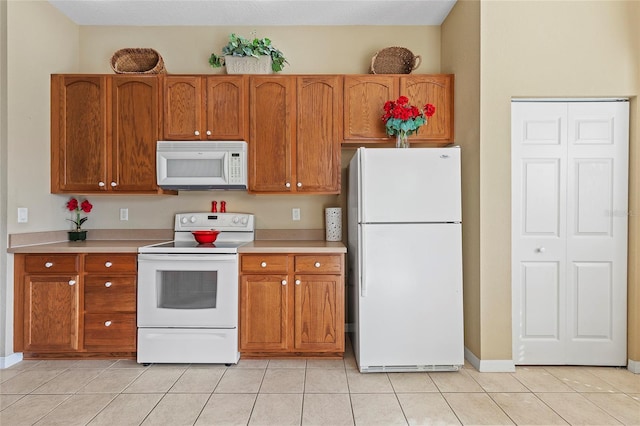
point(124, 214)
point(23, 215)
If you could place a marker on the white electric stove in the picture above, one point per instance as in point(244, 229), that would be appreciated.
point(188, 292)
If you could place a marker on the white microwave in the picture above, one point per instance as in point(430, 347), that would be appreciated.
point(201, 165)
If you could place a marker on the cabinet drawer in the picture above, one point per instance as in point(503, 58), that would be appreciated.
point(311, 264)
point(116, 332)
point(51, 263)
point(110, 294)
point(110, 263)
point(264, 263)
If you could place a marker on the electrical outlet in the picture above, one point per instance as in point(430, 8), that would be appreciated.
point(124, 214)
point(23, 215)
point(295, 214)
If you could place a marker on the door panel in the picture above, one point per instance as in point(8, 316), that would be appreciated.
point(569, 209)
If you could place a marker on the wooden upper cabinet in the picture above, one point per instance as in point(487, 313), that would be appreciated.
point(103, 133)
point(205, 107)
point(183, 106)
point(365, 96)
point(295, 134)
point(227, 108)
point(318, 134)
point(436, 90)
point(79, 123)
point(271, 133)
point(135, 103)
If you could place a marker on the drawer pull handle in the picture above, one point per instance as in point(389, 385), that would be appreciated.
point(107, 323)
point(297, 282)
point(72, 282)
point(317, 264)
point(48, 264)
point(263, 264)
point(108, 284)
point(108, 264)
point(284, 282)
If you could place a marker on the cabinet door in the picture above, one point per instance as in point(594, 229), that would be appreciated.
point(318, 134)
point(272, 132)
point(182, 107)
point(135, 105)
point(436, 90)
point(264, 313)
point(364, 98)
point(51, 313)
point(226, 108)
point(79, 124)
point(319, 315)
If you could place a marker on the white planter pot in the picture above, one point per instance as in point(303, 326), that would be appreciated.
point(248, 64)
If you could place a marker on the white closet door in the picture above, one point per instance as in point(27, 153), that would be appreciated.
point(569, 195)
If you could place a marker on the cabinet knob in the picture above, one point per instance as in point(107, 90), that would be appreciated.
point(299, 184)
point(100, 184)
point(263, 264)
point(284, 282)
point(208, 132)
point(108, 284)
point(114, 184)
point(72, 282)
point(48, 264)
point(107, 323)
point(288, 185)
point(197, 133)
point(108, 264)
point(541, 249)
point(317, 264)
point(297, 282)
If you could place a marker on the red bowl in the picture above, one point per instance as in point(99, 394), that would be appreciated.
point(205, 237)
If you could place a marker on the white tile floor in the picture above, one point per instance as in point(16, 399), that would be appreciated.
point(313, 392)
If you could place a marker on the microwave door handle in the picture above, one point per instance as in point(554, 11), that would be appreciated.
point(225, 162)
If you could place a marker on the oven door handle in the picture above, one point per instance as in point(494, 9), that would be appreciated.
point(188, 257)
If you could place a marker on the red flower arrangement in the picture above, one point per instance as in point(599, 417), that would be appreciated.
point(73, 206)
point(403, 119)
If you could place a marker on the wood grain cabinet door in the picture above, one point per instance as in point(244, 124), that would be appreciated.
point(135, 105)
point(318, 134)
point(51, 313)
point(272, 132)
point(264, 313)
point(227, 108)
point(183, 107)
point(438, 91)
point(319, 313)
point(79, 123)
point(364, 98)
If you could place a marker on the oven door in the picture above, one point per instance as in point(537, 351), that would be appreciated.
point(188, 290)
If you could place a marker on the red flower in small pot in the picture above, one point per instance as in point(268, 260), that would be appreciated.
point(73, 206)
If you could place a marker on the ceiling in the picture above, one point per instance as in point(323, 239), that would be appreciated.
point(255, 12)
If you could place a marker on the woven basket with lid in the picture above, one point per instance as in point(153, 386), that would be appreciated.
point(137, 61)
point(394, 60)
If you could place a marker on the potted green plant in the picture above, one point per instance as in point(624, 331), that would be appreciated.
point(260, 52)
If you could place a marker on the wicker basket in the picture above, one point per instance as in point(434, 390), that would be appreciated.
point(137, 61)
point(394, 60)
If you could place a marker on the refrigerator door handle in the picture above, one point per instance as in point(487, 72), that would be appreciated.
point(361, 268)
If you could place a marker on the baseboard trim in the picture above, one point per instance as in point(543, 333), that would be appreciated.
point(489, 366)
point(633, 366)
point(8, 361)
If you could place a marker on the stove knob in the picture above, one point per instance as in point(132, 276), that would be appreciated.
point(183, 220)
point(245, 220)
point(192, 219)
point(235, 219)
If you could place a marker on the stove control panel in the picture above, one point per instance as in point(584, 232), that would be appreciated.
point(219, 221)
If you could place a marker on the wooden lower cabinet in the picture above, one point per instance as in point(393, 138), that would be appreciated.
point(75, 305)
point(292, 307)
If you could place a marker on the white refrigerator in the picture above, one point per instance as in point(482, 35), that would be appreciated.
point(405, 259)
